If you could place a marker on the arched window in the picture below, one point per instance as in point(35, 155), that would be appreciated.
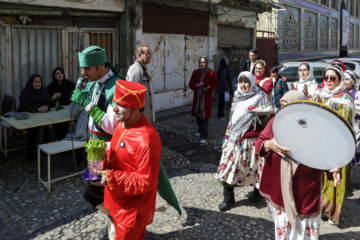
point(333, 36)
point(310, 35)
point(290, 32)
point(323, 35)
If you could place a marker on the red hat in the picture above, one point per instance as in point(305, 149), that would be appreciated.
point(130, 94)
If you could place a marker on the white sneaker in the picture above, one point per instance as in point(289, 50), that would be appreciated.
point(197, 134)
point(203, 141)
point(331, 222)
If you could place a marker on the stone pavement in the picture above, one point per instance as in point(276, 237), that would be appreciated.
point(28, 212)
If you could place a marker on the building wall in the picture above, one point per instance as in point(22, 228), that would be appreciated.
point(314, 42)
point(99, 5)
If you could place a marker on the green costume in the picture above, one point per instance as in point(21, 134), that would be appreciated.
point(101, 94)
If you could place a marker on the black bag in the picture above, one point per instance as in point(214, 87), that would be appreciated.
point(8, 104)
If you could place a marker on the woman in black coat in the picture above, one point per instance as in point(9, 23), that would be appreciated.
point(34, 98)
point(61, 88)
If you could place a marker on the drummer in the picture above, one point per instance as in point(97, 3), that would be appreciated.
point(239, 161)
point(334, 95)
point(292, 190)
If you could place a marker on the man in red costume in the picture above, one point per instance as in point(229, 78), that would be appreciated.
point(130, 174)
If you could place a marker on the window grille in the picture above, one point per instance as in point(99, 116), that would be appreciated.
point(333, 36)
point(323, 35)
point(290, 32)
point(310, 35)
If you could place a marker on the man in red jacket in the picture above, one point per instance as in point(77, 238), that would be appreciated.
point(130, 174)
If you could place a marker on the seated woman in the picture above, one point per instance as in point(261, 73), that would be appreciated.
point(334, 95)
point(34, 98)
point(239, 161)
point(292, 190)
point(61, 89)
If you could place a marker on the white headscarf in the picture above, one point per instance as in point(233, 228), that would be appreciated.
point(241, 119)
point(310, 77)
point(352, 77)
point(326, 93)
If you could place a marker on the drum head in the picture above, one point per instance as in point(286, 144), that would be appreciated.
point(316, 135)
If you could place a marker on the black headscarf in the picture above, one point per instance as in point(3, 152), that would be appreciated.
point(65, 88)
point(222, 65)
point(55, 81)
point(34, 97)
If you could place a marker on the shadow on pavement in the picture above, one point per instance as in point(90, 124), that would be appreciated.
point(206, 224)
point(27, 208)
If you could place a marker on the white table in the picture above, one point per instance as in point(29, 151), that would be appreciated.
point(40, 120)
point(54, 148)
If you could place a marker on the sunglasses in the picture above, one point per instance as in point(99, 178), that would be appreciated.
point(332, 78)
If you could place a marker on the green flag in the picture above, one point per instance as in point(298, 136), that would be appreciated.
point(165, 190)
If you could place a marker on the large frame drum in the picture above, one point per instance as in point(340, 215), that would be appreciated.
point(316, 135)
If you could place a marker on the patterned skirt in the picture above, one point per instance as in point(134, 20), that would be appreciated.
point(239, 163)
point(309, 228)
point(333, 197)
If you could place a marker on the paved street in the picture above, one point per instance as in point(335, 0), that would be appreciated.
point(28, 212)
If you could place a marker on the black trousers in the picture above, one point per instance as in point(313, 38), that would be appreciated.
point(61, 129)
point(228, 193)
point(32, 139)
point(202, 127)
point(221, 104)
point(93, 194)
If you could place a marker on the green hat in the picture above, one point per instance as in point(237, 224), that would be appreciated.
point(89, 59)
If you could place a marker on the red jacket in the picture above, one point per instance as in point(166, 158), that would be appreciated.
point(306, 181)
point(133, 167)
point(211, 81)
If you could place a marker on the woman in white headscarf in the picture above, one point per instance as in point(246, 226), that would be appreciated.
point(334, 95)
point(352, 87)
point(307, 82)
point(239, 162)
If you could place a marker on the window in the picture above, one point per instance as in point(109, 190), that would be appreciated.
point(323, 35)
point(310, 35)
point(357, 9)
point(352, 7)
point(333, 35)
point(318, 72)
point(291, 73)
point(334, 4)
point(290, 33)
point(325, 2)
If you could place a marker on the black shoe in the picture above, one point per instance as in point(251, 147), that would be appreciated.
point(255, 196)
point(104, 233)
point(224, 206)
point(324, 218)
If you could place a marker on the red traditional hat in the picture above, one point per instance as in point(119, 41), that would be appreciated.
point(130, 94)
